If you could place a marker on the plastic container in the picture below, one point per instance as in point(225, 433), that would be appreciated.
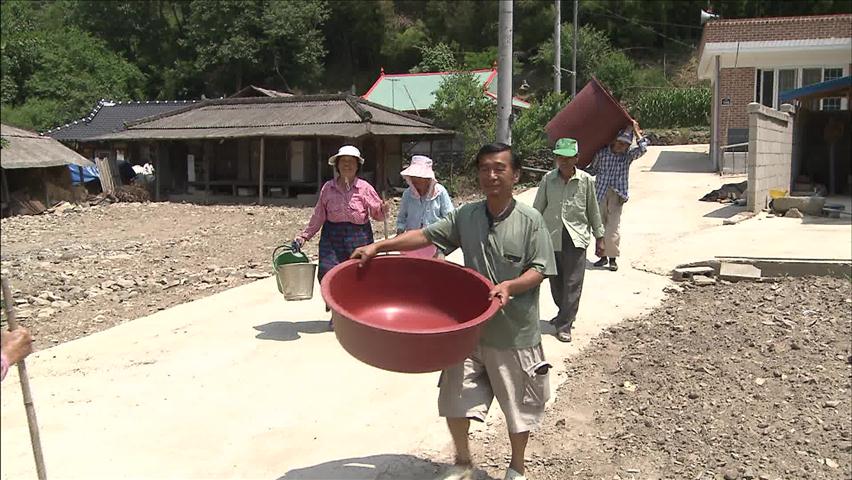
point(777, 193)
point(408, 314)
point(593, 118)
point(294, 273)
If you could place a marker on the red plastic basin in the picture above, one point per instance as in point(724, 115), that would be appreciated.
point(408, 314)
point(593, 118)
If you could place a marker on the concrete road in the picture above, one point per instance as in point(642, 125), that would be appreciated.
point(243, 385)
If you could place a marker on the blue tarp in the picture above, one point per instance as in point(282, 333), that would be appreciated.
point(829, 87)
point(89, 174)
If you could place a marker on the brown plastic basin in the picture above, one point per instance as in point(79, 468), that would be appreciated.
point(408, 314)
point(593, 118)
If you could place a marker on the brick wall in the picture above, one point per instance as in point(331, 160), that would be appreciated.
point(770, 152)
point(778, 28)
point(738, 85)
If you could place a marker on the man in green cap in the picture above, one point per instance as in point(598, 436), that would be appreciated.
point(567, 201)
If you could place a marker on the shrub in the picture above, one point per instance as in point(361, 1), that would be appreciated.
point(672, 107)
point(528, 137)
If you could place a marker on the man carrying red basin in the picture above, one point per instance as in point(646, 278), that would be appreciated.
point(508, 243)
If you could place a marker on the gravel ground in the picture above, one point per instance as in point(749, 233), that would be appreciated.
point(733, 381)
point(84, 270)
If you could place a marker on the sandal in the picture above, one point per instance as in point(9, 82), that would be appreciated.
point(564, 335)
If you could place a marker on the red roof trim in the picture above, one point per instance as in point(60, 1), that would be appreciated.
point(397, 75)
point(490, 78)
point(376, 84)
point(516, 99)
point(437, 73)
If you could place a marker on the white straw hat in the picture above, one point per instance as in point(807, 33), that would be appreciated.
point(346, 151)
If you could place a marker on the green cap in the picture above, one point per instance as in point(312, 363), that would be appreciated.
point(566, 147)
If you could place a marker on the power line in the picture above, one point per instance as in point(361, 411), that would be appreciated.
point(650, 21)
point(649, 29)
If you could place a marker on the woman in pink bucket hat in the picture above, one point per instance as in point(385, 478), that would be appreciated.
point(424, 202)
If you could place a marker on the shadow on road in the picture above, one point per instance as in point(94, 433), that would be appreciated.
point(546, 327)
point(289, 331)
point(727, 211)
point(683, 162)
point(376, 467)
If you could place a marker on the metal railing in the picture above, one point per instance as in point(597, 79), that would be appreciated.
point(733, 163)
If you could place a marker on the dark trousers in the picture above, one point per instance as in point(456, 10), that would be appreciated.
point(567, 285)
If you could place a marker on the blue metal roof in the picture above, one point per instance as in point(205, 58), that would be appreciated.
point(823, 89)
point(109, 116)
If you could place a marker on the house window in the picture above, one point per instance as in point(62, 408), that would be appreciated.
point(811, 76)
point(771, 83)
point(787, 80)
point(832, 103)
point(767, 93)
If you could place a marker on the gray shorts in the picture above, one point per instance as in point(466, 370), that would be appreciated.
point(518, 378)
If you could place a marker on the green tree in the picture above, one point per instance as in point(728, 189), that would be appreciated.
point(354, 35)
point(595, 57)
point(482, 59)
point(436, 58)
point(529, 140)
point(402, 38)
point(617, 72)
point(145, 31)
point(259, 40)
point(461, 104)
point(54, 72)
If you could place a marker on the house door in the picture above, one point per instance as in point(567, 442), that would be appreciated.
point(297, 161)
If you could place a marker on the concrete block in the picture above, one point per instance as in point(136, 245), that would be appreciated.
point(738, 271)
point(685, 273)
point(787, 108)
point(742, 216)
point(703, 281)
point(806, 205)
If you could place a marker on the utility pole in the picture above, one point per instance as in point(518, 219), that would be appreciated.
point(557, 48)
point(504, 73)
point(574, 54)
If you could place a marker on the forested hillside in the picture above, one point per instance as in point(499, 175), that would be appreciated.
point(60, 57)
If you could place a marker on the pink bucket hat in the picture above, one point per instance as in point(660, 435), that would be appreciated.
point(421, 167)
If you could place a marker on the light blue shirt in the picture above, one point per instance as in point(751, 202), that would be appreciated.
point(417, 212)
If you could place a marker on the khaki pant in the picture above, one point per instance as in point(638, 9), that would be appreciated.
point(518, 378)
point(611, 217)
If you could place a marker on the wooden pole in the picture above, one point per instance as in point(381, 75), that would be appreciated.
point(206, 172)
point(44, 184)
point(160, 148)
point(32, 422)
point(319, 165)
point(260, 174)
point(7, 195)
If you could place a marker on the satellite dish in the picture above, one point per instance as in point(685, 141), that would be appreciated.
point(707, 16)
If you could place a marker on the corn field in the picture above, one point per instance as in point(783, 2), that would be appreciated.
point(673, 108)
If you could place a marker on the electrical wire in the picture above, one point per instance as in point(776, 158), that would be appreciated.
point(650, 21)
point(648, 28)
